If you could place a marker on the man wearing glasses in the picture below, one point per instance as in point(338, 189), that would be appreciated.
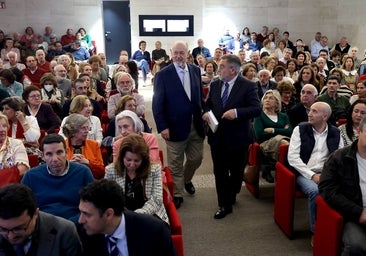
point(24, 230)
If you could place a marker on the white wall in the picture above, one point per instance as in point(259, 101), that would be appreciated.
point(334, 18)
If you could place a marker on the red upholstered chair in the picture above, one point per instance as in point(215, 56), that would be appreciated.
point(43, 134)
point(178, 244)
point(328, 230)
point(175, 227)
point(94, 47)
point(9, 175)
point(285, 193)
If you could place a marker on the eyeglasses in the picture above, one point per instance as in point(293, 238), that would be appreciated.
point(35, 96)
point(16, 230)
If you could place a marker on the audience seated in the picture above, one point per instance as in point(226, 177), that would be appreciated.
point(13, 61)
point(98, 72)
point(161, 59)
point(360, 92)
point(343, 90)
point(287, 92)
point(21, 126)
point(41, 60)
point(63, 83)
point(349, 130)
point(57, 182)
point(72, 72)
point(95, 89)
point(55, 50)
point(142, 59)
point(306, 76)
point(47, 119)
point(310, 145)
point(139, 177)
point(12, 151)
point(80, 149)
point(9, 47)
point(51, 94)
point(81, 104)
point(350, 73)
point(200, 49)
point(210, 73)
point(79, 53)
point(264, 84)
point(272, 128)
point(33, 72)
point(9, 84)
point(68, 38)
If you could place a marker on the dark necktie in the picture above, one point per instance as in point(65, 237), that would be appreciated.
point(225, 94)
point(112, 242)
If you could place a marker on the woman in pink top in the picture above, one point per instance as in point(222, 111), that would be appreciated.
point(127, 122)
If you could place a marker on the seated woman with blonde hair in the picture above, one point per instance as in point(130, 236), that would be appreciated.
point(139, 177)
point(12, 151)
point(272, 128)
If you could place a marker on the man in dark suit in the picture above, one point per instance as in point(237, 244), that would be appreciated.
point(234, 102)
point(264, 84)
point(177, 108)
point(299, 112)
point(108, 229)
point(24, 230)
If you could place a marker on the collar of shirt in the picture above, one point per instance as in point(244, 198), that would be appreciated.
point(62, 174)
point(321, 133)
point(231, 84)
point(120, 234)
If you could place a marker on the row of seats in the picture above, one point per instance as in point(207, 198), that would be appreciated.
point(329, 223)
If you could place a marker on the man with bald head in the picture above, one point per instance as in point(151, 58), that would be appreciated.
point(177, 107)
point(299, 112)
point(310, 145)
point(200, 49)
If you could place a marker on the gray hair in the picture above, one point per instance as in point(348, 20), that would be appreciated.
point(277, 95)
point(139, 126)
point(73, 124)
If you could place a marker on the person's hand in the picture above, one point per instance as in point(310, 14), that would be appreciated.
point(269, 130)
point(362, 218)
point(165, 134)
point(79, 158)
point(20, 116)
point(229, 115)
point(316, 178)
point(206, 118)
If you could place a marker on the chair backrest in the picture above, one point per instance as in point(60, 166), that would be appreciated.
point(9, 175)
point(282, 153)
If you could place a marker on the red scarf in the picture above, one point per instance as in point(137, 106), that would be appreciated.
point(19, 133)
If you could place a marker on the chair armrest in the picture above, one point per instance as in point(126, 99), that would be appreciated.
point(175, 223)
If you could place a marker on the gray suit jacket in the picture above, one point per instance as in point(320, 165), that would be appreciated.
point(52, 236)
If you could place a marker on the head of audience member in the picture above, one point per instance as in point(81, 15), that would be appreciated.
point(123, 60)
point(264, 76)
point(271, 101)
point(70, 32)
point(65, 60)
point(9, 43)
point(324, 54)
point(49, 83)
point(32, 96)
point(299, 44)
point(300, 57)
point(291, 65)
point(242, 56)
point(285, 35)
point(101, 206)
point(58, 46)
point(270, 63)
point(318, 36)
point(335, 56)
point(211, 68)
point(11, 107)
point(53, 64)
point(78, 36)
point(125, 83)
point(229, 67)
point(123, 53)
point(286, 90)
point(85, 68)
point(12, 57)
point(48, 30)
point(246, 31)
point(353, 52)
point(333, 84)
point(31, 63)
point(133, 156)
point(254, 57)
point(72, 59)
point(249, 71)
point(127, 102)
point(324, 41)
point(319, 114)
point(287, 53)
point(7, 77)
point(53, 149)
point(267, 43)
point(320, 63)
point(201, 60)
point(315, 67)
point(361, 90)
point(76, 129)
point(76, 45)
point(308, 96)
point(95, 63)
point(127, 122)
point(60, 72)
point(348, 64)
point(337, 72)
point(142, 45)
point(253, 36)
point(81, 104)
point(103, 59)
point(41, 56)
point(307, 75)
point(355, 114)
point(200, 43)
point(263, 58)
point(18, 213)
point(281, 44)
point(88, 82)
point(217, 54)
point(79, 87)
point(279, 73)
point(29, 31)
point(179, 53)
